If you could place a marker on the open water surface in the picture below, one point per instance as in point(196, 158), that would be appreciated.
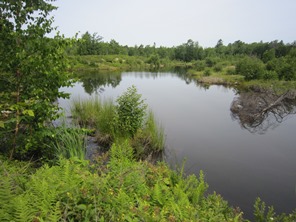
point(240, 164)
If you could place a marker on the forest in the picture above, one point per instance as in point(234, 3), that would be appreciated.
point(263, 60)
point(45, 175)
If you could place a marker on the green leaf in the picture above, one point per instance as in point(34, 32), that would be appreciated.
point(29, 112)
point(82, 207)
point(1, 124)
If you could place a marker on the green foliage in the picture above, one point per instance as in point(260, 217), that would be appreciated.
point(96, 115)
point(32, 68)
point(262, 214)
point(230, 70)
point(154, 60)
point(131, 111)
point(218, 67)
point(125, 190)
point(250, 68)
point(126, 119)
point(199, 65)
point(270, 75)
point(69, 142)
point(207, 72)
point(285, 67)
point(268, 55)
point(150, 139)
point(211, 61)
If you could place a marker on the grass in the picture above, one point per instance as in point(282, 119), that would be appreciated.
point(221, 77)
point(69, 142)
point(101, 117)
point(150, 140)
point(277, 86)
point(108, 62)
point(96, 115)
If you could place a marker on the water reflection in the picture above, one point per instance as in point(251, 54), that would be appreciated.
point(255, 111)
point(94, 82)
point(260, 111)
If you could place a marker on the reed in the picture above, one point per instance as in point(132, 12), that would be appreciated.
point(69, 142)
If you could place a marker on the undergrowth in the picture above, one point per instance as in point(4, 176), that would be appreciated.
point(122, 190)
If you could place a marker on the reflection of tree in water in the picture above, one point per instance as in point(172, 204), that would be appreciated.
point(95, 82)
point(260, 111)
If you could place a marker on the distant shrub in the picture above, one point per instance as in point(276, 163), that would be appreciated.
point(230, 70)
point(199, 65)
point(285, 67)
point(210, 62)
point(154, 60)
point(218, 67)
point(251, 68)
point(270, 75)
point(207, 72)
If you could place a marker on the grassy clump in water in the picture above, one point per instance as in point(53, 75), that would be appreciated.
point(69, 142)
point(127, 119)
point(95, 114)
point(150, 139)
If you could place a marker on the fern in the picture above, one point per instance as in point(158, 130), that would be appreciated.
point(121, 156)
point(11, 184)
point(6, 196)
point(23, 210)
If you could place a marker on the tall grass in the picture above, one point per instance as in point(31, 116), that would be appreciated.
point(154, 133)
point(98, 115)
point(150, 140)
point(86, 112)
point(102, 117)
point(69, 142)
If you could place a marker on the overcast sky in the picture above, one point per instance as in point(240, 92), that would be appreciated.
point(173, 22)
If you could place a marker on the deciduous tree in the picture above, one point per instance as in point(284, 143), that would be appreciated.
point(32, 69)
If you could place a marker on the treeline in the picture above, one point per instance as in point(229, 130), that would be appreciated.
point(261, 60)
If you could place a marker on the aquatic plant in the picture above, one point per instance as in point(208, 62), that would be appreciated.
point(69, 142)
point(125, 119)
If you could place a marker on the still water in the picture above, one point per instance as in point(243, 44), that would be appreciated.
point(239, 164)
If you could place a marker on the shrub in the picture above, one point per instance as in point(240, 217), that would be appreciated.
point(154, 60)
point(251, 68)
point(207, 72)
point(131, 111)
point(270, 75)
point(218, 67)
point(230, 70)
point(210, 62)
point(199, 65)
point(127, 119)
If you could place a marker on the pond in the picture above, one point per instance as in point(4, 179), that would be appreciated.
point(240, 163)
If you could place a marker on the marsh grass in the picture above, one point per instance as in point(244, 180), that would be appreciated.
point(86, 112)
point(69, 142)
point(95, 114)
point(150, 139)
point(102, 117)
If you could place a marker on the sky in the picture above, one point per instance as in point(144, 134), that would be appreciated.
point(173, 22)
